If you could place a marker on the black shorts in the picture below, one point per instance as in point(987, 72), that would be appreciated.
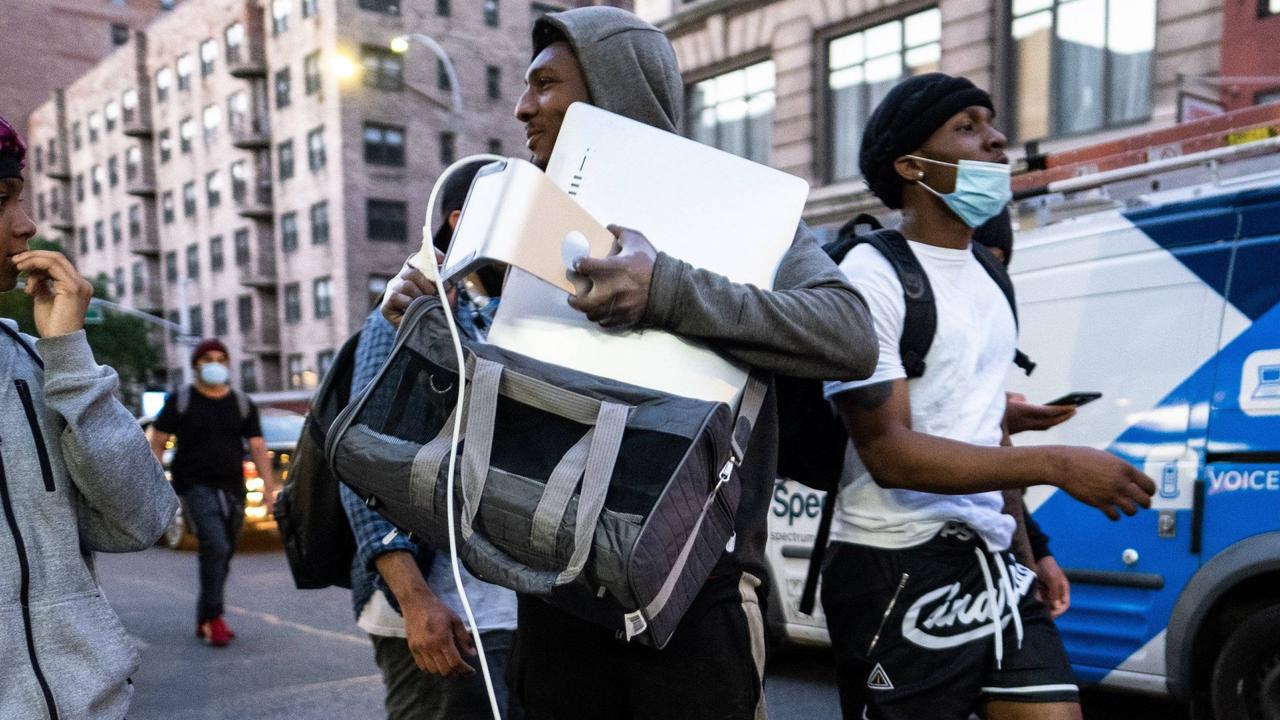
point(914, 633)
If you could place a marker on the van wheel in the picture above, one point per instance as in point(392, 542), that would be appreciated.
point(1246, 676)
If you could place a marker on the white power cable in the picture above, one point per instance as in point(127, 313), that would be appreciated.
point(426, 263)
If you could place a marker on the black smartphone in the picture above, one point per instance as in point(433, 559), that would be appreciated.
point(1075, 398)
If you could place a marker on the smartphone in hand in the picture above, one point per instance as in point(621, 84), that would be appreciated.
point(1076, 398)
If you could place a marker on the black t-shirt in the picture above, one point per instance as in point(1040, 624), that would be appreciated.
point(211, 436)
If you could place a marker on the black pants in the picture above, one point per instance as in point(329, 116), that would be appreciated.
point(216, 516)
point(567, 669)
point(413, 694)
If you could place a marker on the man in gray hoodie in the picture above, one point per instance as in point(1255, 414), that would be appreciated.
point(76, 476)
point(811, 324)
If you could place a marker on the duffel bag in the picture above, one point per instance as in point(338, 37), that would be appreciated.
point(611, 501)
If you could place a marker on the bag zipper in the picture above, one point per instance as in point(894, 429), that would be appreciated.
point(25, 592)
point(42, 451)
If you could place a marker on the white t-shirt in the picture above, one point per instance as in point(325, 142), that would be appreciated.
point(494, 606)
point(960, 397)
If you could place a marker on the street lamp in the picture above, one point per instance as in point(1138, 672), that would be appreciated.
point(344, 67)
point(400, 45)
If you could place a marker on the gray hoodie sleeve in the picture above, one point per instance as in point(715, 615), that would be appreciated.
point(813, 324)
point(124, 500)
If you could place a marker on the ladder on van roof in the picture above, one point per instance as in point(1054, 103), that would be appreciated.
point(1214, 152)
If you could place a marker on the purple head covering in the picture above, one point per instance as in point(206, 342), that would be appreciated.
point(13, 152)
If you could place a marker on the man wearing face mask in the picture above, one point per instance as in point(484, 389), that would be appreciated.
point(211, 422)
point(930, 615)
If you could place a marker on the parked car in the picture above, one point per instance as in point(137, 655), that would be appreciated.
point(280, 429)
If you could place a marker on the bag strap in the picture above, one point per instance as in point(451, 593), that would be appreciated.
point(1000, 276)
point(921, 320)
point(22, 343)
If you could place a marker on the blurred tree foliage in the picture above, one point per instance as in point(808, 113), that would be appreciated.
point(122, 341)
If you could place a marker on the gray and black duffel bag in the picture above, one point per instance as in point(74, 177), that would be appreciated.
point(611, 501)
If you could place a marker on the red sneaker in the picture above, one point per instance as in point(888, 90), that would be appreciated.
point(215, 632)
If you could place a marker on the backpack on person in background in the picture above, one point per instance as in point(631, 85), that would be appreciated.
point(318, 541)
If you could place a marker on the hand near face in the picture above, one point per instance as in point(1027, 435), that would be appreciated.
point(618, 293)
point(61, 296)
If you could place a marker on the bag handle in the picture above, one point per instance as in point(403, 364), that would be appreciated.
point(595, 466)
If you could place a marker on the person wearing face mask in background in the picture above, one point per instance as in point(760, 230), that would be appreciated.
point(211, 422)
point(930, 615)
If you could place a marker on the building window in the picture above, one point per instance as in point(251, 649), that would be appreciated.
point(322, 295)
point(119, 34)
point(241, 242)
point(166, 206)
point(220, 325)
point(196, 321)
point(320, 223)
point(297, 379)
point(386, 220)
point(82, 234)
point(53, 150)
point(383, 144)
point(135, 222)
point(495, 146)
point(311, 72)
point(734, 111)
point(292, 303)
point(238, 112)
point(95, 127)
point(383, 69)
point(390, 7)
point(129, 105)
point(185, 66)
point(166, 146)
point(99, 234)
point(212, 118)
point(315, 149)
point(280, 16)
point(95, 177)
point(289, 232)
point(189, 199)
point(284, 153)
point(448, 150)
point(208, 54)
point(239, 181)
point(283, 85)
point(1080, 65)
point(491, 13)
point(186, 132)
point(75, 139)
point(80, 187)
point(117, 228)
point(119, 282)
point(132, 163)
point(493, 81)
point(248, 376)
point(310, 8)
point(40, 215)
point(193, 261)
point(442, 8)
point(213, 189)
point(324, 361)
point(139, 280)
point(164, 79)
point(862, 67)
point(113, 171)
point(217, 260)
point(234, 37)
point(112, 114)
point(171, 266)
point(244, 312)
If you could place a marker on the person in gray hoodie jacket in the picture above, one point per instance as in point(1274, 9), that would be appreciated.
point(811, 324)
point(76, 476)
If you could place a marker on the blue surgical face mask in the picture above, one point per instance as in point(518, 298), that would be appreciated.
point(982, 190)
point(214, 373)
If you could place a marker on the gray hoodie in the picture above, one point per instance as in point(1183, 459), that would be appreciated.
point(811, 324)
point(76, 476)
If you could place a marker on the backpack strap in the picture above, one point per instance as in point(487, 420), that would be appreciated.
point(1000, 276)
point(22, 343)
point(921, 321)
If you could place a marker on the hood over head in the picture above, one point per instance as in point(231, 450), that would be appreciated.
point(629, 65)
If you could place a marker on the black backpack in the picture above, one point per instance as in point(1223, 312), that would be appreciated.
point(811, 439)
point(313, 525)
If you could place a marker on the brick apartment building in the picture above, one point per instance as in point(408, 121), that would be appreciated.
point(792, 82)
point(257, 169)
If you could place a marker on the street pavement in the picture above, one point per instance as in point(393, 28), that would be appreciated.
point(299, 655)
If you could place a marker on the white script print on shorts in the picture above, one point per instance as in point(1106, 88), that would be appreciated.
point(943, 618)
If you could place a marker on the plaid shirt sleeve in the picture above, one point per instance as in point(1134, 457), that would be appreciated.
point(369, 528)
